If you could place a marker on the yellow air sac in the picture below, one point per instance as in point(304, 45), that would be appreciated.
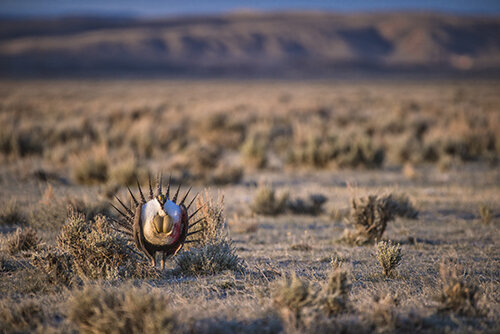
point(163, 224)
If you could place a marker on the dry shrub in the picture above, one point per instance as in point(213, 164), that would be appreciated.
point(211, 219)
point(339, 214)
point(293, 297)
point(210, 259)
point(100, 252)
point(265, 201)
point(52, 210)
point(201, 159)
point(204, 163)
point(120, 310)
point(410, 172)
point(225, 174)
point(220, 129)
point(301, 247)
point(213, 251)
point(303, 307)
point(485, 214)
point(313, 205)
point(355, 151)
point(8, 263)
point(23, 316)
point(312, 152)
point(21, 142)
point(360, 151)
point(23, 239)
point(239, 225)
point(389, 256)
point(381, 315)
point(458, 294)
point(333, 295)
point(254, 152)
point(57, 265)
point(92, 168)
point(124, 173)
point(11, 214)
point(370, 216)
point(404, 207)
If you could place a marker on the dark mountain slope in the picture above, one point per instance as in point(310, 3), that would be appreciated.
point(273, 44)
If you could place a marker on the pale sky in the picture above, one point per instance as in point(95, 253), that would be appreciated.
point(170, 8)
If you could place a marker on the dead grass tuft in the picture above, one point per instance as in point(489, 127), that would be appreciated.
point(265, 201)
point(23, 239)
point(120, 310)
point(389, 256)
point(458, 294)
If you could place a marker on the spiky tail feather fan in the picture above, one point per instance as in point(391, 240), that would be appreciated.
point(131, 225)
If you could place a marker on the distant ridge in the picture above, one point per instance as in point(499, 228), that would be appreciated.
point(288, 44)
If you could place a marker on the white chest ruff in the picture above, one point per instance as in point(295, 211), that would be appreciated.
point(153, 208)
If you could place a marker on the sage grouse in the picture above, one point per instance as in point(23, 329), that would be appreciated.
point(159, 224)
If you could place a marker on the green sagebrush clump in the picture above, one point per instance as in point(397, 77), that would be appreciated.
point(99, 252)
point(212, 251)
point(96, 309)
point(389, 256)
point(300, 304)
point(370, 215)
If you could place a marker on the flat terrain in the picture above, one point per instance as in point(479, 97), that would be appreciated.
point(79, 143)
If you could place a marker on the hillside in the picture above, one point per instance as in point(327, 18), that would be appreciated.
point(252, 44)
